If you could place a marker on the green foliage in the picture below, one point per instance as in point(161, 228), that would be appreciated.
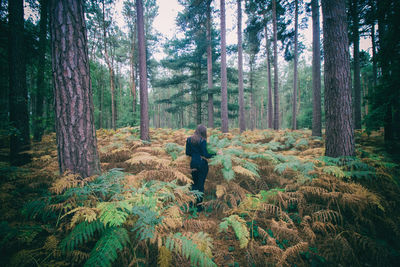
point(188, 249)
point(173, 150)
point(239, 226)
point(114, 213)
point(267, 196)
point(113, 239)
point(146, 222)
point(335, 171)
point(38, 209)
point(7, 233)
point(80, 234)
point(273, 145)
point(295, 165)
point(226, 161)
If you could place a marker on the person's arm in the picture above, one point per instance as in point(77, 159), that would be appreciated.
point(188, 148)
point(204, 152)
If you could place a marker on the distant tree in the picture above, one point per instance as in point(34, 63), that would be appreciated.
point(296, 23)
point(276, 90)
point(224, 91)
point(38, 126)
point(144, 115)
point(75, 131)
point(339, 123)
point(210, 106)
point(18, 98)
point(316, 70)
point(355, 33)
point(242, 123)
point(270, 107)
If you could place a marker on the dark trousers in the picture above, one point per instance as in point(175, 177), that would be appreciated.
point(199, 177)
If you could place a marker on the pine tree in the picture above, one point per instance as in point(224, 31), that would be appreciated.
point(75, 132)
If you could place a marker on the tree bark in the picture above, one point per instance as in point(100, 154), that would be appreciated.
point(270, 108)
point(242, 122)
point(316, 71)
point(224, 90)
point(276, 96)
point(339, 126)
point(18, 97)
point(296, 29)
point(252, 101)
point(210, 107)
point(38, 119)
point(144, 114)
point(356, 56)
point(75, 131)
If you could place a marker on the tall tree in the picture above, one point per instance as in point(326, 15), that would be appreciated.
point(354, 10)
point(38, 118)
point(110, 65)
point(18, 98)
point(316, 70)
point(144, 115)
point(296, 29)
point(242, 123)
point(224, 90)
point(270, 108)
point(209, 68)
point(276, 95)
point(339, 126)
point(75, 131)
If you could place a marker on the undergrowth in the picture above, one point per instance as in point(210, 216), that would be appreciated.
point(270, 198)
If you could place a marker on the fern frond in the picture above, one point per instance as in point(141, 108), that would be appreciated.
point(164, 257)
point(245, 172)
point(68, 180)
point(105, 251)
point(293, 251)
point(239, 226)
point(80, 234)
point(334, 170)
point(327, 216)
point(187, 248)
point(114, 213)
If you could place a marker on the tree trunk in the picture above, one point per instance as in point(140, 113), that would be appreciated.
point(296, 29)
point(374, 67)
point(316, 71)
point(75, 131)
point(111, 72)
point(132, 66)
point(209, 69)
point(270, 108)
point(276, 96)
point(242, 122)
point(38, 121)
point(18, 98)
point(252, 102)
point(356, 55)
point(144, 114)
point(339, 126)
point(101, 105)
point(224, 90)
point(197, 94)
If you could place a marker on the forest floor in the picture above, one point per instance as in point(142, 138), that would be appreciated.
point(271, 199)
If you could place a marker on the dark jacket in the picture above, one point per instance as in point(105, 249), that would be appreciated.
point(196, 151)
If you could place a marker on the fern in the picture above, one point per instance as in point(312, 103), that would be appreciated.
point(105, 251)
point(81, 234)
point(114, 213)
point(38, 209)
point(164, 257)
point(274, 146)
point(239, 226)
point(146, 222)
point(173, 150)
point(335, 171)
point(190, 250)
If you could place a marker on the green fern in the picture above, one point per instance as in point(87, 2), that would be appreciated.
point(146, 223)
point(274, 146)
point(239, 226)
point(173, 149)
point(105, 251)
point(81, 234)
point(335, 171)
point(114, 213)
point(188, 249)
point(38, 209)
point(251, 167)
